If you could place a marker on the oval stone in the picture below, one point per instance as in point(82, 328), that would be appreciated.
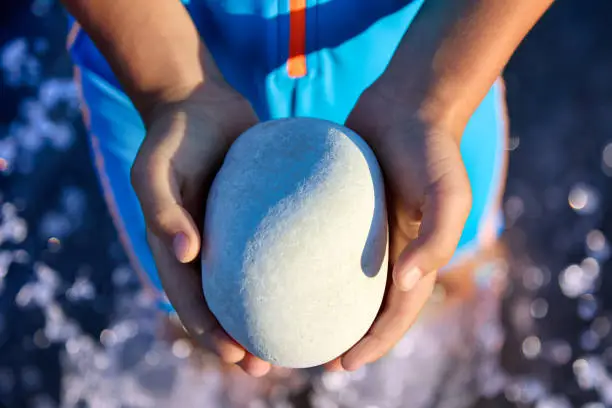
point(295, 246)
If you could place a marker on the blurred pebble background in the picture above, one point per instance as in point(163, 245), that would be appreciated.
point(75, 330)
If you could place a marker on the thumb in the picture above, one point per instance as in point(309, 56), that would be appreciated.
point(444, 212)
point(157, 190)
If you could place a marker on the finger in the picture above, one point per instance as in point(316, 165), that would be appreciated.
point(334, 365)
point(255, 366)
point(183, 287)
point(159, 195)
point(399, 313)
point(224, 346)
point(445, 211)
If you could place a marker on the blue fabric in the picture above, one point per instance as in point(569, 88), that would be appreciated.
point(348, 43)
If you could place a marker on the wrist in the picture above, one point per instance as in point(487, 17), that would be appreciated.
point(438, 106)
point(213, 112)
point(198, 92)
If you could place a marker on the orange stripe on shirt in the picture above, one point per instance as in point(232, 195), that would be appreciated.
point(72, 35)
point(296, 64)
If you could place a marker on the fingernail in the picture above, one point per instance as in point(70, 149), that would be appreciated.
point(335, 369)
point(260, 371)
point(334, 366)
point(351, 365)
point(409, 280)
point(255, 367)
point(181, 246)
point(225, 347)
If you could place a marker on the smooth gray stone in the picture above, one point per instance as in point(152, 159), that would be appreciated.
point(294, 260)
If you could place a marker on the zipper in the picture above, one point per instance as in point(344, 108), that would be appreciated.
point(296, 63)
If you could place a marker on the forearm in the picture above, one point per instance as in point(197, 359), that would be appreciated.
point(454, 51)
point(153, 47)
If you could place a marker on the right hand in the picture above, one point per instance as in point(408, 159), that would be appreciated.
point(185, 144)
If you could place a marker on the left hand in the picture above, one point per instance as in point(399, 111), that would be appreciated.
point(428, 202)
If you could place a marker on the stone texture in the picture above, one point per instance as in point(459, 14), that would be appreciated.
point(295, 241)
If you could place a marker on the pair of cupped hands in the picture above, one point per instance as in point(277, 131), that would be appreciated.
point(428, 202)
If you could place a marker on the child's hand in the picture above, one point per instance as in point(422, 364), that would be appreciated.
point(428, 201)
point(184, 147)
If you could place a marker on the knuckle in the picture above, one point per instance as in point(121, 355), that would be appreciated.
point(461, 199)
point(464, 202)
point(402, 311)
point(463, 195)
point(159, 221)
point(442, 251)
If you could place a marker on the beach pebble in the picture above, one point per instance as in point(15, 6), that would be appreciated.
point(295, 248)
